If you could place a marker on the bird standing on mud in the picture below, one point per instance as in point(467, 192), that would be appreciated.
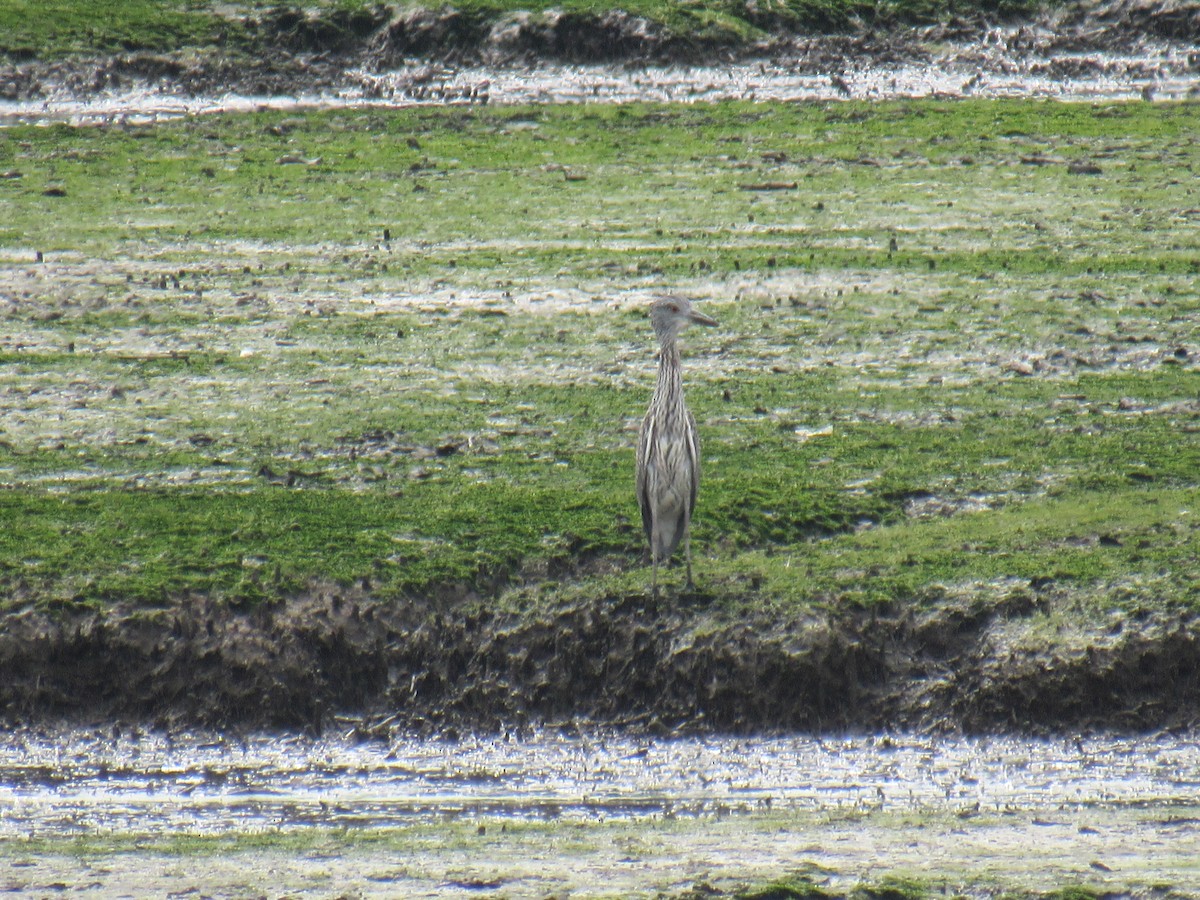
point(668, 454)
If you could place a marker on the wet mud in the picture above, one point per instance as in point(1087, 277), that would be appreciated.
point(457, 664)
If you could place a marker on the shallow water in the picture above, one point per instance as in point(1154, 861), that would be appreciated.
point(74, 781)
point(592, 815)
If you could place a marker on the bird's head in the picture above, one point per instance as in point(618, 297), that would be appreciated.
point(670, 315)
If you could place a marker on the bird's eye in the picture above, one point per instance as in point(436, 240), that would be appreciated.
point(672, 307)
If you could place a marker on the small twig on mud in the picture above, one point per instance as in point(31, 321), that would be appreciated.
point(361, 729)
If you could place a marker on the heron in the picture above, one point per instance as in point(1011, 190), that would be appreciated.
point(668, 454)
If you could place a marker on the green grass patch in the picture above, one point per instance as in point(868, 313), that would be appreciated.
point(60, 28)
point(420, 357)
point(1072, 892)
point(797, 887)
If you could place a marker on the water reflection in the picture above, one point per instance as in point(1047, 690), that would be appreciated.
point(71, 782)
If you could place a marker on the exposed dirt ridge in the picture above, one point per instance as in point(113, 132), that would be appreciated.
point(384, 36)
point(672, 666)
point(305, 51)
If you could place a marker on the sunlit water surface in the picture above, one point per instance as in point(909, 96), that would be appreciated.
point(70, 782)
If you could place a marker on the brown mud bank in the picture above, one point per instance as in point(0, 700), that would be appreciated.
point(302, 52)
point(1026, 663)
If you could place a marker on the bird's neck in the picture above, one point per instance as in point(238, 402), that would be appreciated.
point(670, 369)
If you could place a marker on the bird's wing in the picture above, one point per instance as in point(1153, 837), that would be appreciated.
point(693, 449)
point(645, 434)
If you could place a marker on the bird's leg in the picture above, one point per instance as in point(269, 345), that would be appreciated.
point(654, 576)
point(687, 552)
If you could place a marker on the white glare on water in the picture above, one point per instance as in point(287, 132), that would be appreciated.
point(75, 781)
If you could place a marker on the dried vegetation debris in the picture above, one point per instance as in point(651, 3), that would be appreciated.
point(1172, 19)
point(551, 34)
point(999, 657)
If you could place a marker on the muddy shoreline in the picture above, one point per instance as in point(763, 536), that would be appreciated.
point(334, 657)
point(411, 55)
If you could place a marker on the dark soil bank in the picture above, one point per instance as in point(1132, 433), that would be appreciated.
point(287, 50)
point(674, 666)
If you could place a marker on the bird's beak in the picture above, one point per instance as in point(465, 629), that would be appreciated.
point(701, 319)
